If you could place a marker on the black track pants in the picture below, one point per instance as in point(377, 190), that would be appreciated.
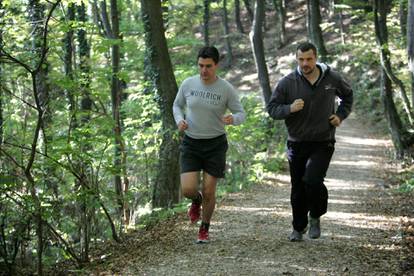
point(308, 164)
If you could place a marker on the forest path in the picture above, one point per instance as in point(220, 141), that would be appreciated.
point(249, 229)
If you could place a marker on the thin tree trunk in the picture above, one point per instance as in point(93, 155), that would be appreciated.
point(40, 92)
point(86, 107)
point(280, 7)
point(249, 9)
point(402, 14)
point(314, 28)
point(341, 25)
point(206, 19)
point(237, 16)
point(166, 187)
point(116, 106)
point(68, 63)
point(111, 31)
point(382, 39)
point(227, 40)
point(1, 78)
point(256, 39)
point(410, 44)
point(401, 139)
point(394, 122)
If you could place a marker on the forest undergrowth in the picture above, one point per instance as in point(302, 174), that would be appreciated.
point(369, 228)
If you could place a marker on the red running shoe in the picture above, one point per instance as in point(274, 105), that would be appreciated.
point(202, 235)
point(194, 212)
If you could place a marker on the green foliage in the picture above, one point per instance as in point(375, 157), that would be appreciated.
point(251, 146)
point(407, 186)
point(74, 167)
point(157, 215)
point(358, 60)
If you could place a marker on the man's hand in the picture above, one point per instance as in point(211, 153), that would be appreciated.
point(334, 120)
point(227, 119)
point(297, 105)
point(182, 125)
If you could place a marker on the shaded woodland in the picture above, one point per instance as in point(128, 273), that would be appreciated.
point(88, 143)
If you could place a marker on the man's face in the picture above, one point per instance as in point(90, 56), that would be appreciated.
point(306, 61)
point(207, 69)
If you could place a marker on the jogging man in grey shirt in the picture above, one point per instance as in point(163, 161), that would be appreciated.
point(200, 111)
point(305, 99)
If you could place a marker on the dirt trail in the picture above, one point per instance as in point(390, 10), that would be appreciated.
point(249, 229)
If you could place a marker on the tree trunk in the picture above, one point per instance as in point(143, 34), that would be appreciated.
point(280, 7)
point(394, 122)
point(116, 106)
point(256, 40)
point(249, 9)
point(382, 38)
point(166, 187)
point(111, 31)
point(37, 18)
point(86, 107)
point(68, 63)
point(341, 25)
point(410, 44)
point(314, 28)
point(206, 19)
point(402, 14)
point(1, 80)
point(40, 92)
point(237, 16)
point(227, 40)
point(401, 139)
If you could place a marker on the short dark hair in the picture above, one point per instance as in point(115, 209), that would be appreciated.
point(306, 46)
point(209, 52)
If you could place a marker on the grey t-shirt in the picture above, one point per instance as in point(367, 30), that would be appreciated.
point(203, 106)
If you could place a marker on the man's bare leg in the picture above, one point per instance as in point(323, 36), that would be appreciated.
point(209, 196)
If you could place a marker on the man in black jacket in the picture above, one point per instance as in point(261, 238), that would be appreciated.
point(306, 100)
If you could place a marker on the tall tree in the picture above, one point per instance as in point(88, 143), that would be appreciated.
point(382, 39)
point(116, 96)
point(249, 9)
point(41, 95)
point(237, 16)
point(402, 14)
point(85, 108)
point(341, 23)
point(1, 76)
point(314, 29)
point(68, 62)
point(402, 140)
point(206, 19)
point(116, 92)
point(227, 40)
point(256, 40)
point(280, 7)
point(166, 187)
point(410, 44)
point(37, 17)
point(110, 28)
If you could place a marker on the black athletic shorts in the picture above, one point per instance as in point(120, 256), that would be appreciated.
point(208, 155)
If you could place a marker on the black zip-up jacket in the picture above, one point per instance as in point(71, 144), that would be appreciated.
point(312, 122)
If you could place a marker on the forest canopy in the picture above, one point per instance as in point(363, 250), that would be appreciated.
point(88, 143)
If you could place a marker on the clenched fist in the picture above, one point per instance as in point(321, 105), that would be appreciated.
point(334, 120)
point(227, 119)
point(297, 105)
point(182, 125)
